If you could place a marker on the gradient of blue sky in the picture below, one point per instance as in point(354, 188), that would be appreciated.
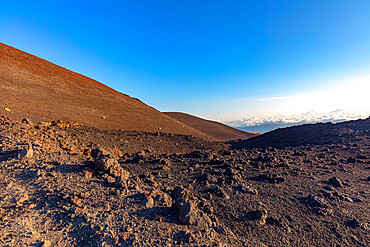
point(212, 58)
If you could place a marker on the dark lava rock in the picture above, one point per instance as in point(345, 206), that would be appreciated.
point(204, 177)
point(88, 172)
point(218, 191)
point(323, 211)
point(225, 152)
point(27, 121)
point(118, 172)
point(162, 199)
point(199, 154)
point(120, 183)
point(216, 161)
point(190, 236)
point(246, 189)
point(362, 157)
point(336, 182)
point(208, 209)
point(225, 195)
point(351, 160)
point(353, 223)
point(165, 161)
point(180, 193)
point(329, 187)
point(229, 171)
point(345, 198)
point(99, 151)
point(148, 202)
point(275, 222)
point(271, 178)
point(26, 152)
point(221, 229)
point(316, 201)
point(259, 215)
point(110, 180)
point(267, 158)
point(141, 154)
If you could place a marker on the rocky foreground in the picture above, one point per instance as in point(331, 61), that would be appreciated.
point(64, 184)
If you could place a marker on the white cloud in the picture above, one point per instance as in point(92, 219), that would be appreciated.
point(272, 98)
point(351, 94)
point(308, 117)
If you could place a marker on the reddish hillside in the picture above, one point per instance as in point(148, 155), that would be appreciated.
point(214, 129)
point(35, 88)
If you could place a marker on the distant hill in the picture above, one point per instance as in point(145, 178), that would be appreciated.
point(42, 91)
point(214, 129)
point(269, 126)
point(307, 134)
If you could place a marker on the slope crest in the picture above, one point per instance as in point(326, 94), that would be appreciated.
point(214, 129)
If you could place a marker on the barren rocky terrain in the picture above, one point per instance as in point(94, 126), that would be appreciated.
point(67, 184)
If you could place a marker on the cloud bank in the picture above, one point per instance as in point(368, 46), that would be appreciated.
point(265, 124)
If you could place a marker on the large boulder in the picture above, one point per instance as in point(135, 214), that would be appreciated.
point(104, 162)
point(107, 163)
point(189, 214)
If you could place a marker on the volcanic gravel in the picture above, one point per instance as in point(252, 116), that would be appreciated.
point(66, 184)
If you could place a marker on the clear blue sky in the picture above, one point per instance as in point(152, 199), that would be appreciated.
point(216, 59)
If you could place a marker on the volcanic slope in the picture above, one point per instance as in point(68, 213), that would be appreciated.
point(42, 91)
point(214, 129)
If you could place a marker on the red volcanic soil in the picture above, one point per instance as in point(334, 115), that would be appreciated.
point(42, 91)
point(214, 129)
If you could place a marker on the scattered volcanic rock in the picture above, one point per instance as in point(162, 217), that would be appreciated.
point(85, 186)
